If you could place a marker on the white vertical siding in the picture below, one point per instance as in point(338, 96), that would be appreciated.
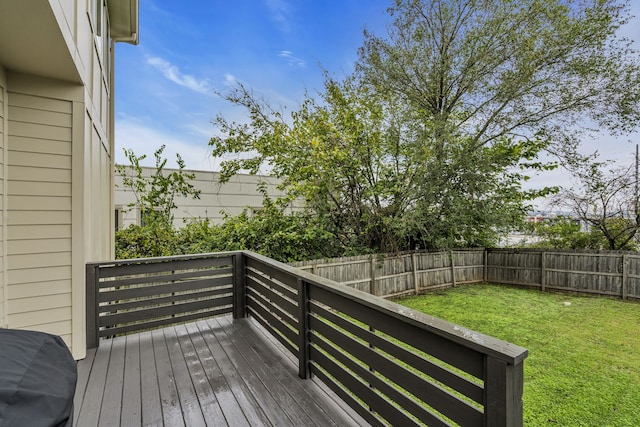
point(39, 285)
point(3, 125)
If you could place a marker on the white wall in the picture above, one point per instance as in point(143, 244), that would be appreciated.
point(232, 197)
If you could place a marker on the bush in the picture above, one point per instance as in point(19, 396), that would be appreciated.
point(147, 241)
point(269, 231)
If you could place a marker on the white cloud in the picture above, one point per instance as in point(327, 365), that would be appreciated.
point(142, 138)
point(230, 80)
point(173, 73)
point(280, 11)
point(292, 60)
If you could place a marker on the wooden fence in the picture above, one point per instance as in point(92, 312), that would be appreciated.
point(602, 273)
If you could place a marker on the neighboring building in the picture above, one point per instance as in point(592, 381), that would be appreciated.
point(233, 197)
point(56, 156)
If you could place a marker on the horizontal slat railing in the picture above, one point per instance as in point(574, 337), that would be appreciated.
point(133, 295)
point(272, 299)
point(391, 364)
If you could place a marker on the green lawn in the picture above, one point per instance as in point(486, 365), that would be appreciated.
point(583, 367)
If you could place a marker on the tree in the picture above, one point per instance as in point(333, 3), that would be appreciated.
point(428, 142)
point(606, 200)
point(489, 69)
point(336, 155)
point(155, 196)
point(564, 233)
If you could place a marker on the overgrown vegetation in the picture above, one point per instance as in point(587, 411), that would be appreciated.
point(568, 233)
point(428, 142)
point(606, 198)
point(582, 368)
point(271, 231)
point(155, 197)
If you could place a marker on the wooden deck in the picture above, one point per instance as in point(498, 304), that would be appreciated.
point(216, 372)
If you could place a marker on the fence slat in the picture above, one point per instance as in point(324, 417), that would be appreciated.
point(603, 273)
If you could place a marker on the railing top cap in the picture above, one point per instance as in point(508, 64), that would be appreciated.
point(482, 343)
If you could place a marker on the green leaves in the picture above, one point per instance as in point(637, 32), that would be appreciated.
point(156, 194)
point(428, 142)
point(492, 68)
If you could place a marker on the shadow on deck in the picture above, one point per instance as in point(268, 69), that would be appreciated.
point(213, 372)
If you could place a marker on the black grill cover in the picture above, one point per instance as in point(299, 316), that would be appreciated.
point(37, 380)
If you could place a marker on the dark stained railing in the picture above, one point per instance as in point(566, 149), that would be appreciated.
point(134, 295)
point(393, 365)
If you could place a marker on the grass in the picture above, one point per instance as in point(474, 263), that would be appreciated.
point(583, 367)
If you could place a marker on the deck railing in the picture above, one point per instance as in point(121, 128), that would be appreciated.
point(393, 365)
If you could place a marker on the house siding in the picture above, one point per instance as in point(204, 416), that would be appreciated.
point(3, 126)
point(39, 213)
point(56, 144)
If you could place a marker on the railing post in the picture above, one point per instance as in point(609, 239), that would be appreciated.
point(303, 329)
point(239, 286)
point(504, 385)
point(91, 285)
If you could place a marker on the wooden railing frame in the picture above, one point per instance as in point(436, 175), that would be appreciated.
point(503, 362)
point(160, 264)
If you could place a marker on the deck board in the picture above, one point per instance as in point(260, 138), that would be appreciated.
point(250, 407)
point(320, 408)
point(94, 392)
point(211, 410)
point(131, 397)
point(111, 401)
point(169, 399)
point(214, 372)
point(150, 391)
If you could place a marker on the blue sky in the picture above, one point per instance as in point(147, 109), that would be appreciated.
point(189, 48)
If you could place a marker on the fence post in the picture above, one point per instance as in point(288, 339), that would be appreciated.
point(453, 269)
point(239, 286)
point(373, 289)
point(543, 270)
point(504, 384)
point(91, 285)
point(485, 272)
point(414, 269)
point(625, 275)
point(303, 329)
